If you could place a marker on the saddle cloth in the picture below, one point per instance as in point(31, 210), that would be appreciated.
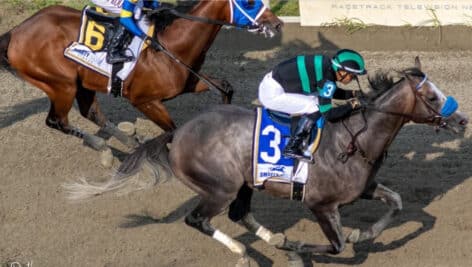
point(89, 48)
point(270, 139)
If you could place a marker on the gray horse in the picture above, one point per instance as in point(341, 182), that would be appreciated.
point(212, 154)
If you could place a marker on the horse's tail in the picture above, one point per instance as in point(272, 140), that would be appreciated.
point(4, 42)
point(152, 156)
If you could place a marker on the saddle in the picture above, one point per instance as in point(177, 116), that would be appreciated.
point(96, 30)
point(313, 139)
point(271, 134)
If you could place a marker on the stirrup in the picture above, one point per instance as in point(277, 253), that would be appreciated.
point(301, 157)
point(118, 59)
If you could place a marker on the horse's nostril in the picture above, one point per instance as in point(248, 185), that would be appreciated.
point(463, 122)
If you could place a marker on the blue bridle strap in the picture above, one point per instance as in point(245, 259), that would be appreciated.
point(242, 13)
point(419, 85)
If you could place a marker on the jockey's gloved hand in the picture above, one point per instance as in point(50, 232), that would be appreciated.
point(153, 5)
point(357, 103)
point(153, 43)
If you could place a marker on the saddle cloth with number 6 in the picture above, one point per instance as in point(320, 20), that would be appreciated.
point(270, 138)
point(90, 48)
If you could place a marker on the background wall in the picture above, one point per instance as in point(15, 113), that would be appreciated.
point(386, 12)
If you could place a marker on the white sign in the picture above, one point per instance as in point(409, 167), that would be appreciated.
point(385, 12)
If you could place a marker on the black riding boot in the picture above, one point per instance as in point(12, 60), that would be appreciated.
point(293, 149)
point(116, 52)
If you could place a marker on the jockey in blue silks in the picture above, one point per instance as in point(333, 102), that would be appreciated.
point(127, 25)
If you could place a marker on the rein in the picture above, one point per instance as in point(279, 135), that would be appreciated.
point(203, 19)
point(210, 84)
point(352, 147)
point(160, 47)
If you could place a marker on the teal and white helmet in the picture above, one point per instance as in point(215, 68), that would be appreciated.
point(349, 61)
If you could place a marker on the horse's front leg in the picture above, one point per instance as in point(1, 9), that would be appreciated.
point(90, 109)
point(386, 195)
point(330, 223)
point(223, 86)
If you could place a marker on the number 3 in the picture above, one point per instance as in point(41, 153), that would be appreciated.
point(328, 89)
point(274, 144)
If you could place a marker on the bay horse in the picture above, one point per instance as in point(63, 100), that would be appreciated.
point(34, 50)
point(212, 152)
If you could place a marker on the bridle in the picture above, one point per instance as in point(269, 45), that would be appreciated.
point(233, 5)
point(436, 119)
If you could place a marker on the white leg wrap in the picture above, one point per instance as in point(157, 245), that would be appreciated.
point(232, 244)
point(264, 233)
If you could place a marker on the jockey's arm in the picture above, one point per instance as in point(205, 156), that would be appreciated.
point(335, 114)
point(343, 94)
point(326, 108)
point(126, 18)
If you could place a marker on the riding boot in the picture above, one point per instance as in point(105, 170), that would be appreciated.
point(293, 148)
point(116, 51)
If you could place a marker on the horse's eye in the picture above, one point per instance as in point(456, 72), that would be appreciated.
point(250, 3)
point(433, 98)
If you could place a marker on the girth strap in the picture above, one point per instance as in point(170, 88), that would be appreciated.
point(297, 191)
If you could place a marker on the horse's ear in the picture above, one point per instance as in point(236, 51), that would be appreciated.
point(417, 62)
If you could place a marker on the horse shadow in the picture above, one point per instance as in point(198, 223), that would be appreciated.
point(12, 114)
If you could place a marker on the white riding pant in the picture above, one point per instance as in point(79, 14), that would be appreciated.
point(273, 96)
point(114, 6)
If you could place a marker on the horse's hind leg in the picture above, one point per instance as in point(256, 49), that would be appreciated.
point(57, 119)
point(239, 211)
point(89, 108)
point(392, 199)
point(200, 218)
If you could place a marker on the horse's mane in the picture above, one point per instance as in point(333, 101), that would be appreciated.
point(384, 80)
point(165, 18)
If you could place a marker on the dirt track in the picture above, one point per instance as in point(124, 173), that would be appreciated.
point(431, 172)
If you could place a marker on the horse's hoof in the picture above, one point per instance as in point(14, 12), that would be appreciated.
point(94, 142)
point(127, 128)
point(243, 262)
point(106, 158)
point(294, 260)
point(277, 240)
point(142, 139)
point(354, 236)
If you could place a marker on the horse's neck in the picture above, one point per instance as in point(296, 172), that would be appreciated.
point(190, 39)
point(381, 130)
point(384, 127)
